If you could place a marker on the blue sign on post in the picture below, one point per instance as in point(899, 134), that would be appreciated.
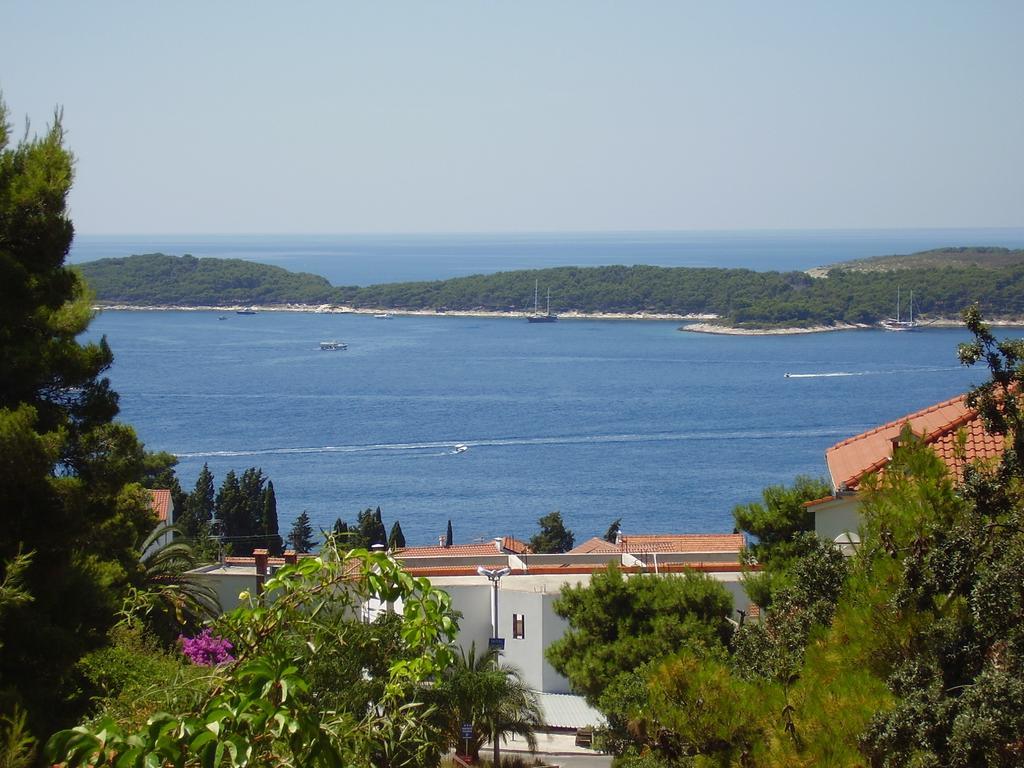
point(496, 642)
point(467, 730)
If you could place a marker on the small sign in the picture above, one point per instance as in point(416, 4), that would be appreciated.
point(496, 642)
point(467, 730)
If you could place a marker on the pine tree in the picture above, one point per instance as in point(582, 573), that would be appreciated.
point(613, 530)
point(269, 520)
point(228, 507)
point(199, 507)
point(397, 539)
point(449, 539)
point(553, 537)
point(301, 536)
point(69, 474)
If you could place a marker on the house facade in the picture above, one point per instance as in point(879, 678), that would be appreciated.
point(953, 430)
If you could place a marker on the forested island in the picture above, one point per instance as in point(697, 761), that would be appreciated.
point(943, 282)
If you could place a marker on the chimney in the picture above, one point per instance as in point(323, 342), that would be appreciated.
point(261, 556)
point(618, 538)
point(499, 544)
point(291, 557)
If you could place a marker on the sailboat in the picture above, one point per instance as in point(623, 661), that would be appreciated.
point(537, 317)
point(897, 323)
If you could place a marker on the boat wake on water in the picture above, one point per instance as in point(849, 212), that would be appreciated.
point(834, 374)
point(450, 449)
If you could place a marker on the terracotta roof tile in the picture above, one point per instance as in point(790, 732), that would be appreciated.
point(479, 549)
point(939, 424)
point(160, 501)
point(665, 542)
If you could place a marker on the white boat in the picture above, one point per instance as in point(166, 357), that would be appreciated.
point(248, 311)
point(460, 448)
point(383, 316)
point(537, 317)
point(332, 345)
point(897, 323)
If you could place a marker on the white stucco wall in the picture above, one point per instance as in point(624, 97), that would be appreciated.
point(834, 518)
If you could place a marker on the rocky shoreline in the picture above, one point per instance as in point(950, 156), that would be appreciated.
point(693, 323)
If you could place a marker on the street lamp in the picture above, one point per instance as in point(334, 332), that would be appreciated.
point(494, 576)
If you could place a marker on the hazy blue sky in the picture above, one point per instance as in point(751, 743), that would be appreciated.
point(552, 115)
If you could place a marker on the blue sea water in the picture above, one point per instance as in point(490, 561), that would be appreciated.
point(368, 259)
point(597, 419)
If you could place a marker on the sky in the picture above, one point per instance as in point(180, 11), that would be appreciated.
point(536, 115)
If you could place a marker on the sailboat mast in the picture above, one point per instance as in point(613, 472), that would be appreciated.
point(536, 284)
point(549, 301)
point(911, 306)
point(897, 303)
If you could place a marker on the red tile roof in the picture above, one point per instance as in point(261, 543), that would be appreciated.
point(479, 549)
point(665, 542)
point(555, 570)
point(160, 501)
point(938, 425)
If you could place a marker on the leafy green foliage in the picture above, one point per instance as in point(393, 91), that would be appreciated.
point(618, 623)
point(493, 698)
point(262, 710)
point(553, 536)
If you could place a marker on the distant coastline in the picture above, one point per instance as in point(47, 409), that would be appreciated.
point(694, 323)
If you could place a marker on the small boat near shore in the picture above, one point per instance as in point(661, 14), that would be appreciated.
point(330, 346)
point(460, 448)
point(246, 311)
point(897, 323)
point(537, 317)
point(383, 316)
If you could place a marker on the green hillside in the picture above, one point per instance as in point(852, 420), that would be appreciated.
point(741, 297)
point(984, 257)
point(160, 280)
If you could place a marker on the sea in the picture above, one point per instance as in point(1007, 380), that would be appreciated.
point(600, 420)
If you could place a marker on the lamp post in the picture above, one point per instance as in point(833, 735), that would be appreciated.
point(494, 576)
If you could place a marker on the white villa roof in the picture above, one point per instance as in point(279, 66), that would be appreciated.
point(563, 710)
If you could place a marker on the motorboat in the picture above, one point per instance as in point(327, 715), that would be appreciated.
point(460, 448)
point(333, 345)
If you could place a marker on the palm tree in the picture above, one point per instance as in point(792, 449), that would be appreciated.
point(494, 699)
point(168, 599)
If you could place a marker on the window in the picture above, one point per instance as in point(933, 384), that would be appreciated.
point(518, 626)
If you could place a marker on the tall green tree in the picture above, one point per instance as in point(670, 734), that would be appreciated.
point(70, 475)
point(553, 536)
point(229, 510)
point(396, 539)
point(618, 623)
point(449, 537)
point(199, 507)
point(268, 520)
point(301, 535)
point(613, 530)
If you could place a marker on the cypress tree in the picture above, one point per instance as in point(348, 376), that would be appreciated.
point(269, 519)
point(228, 506)
point(301, 536)
point(449, 539)
point(397, 539)
point(380, 533)
point(199, 506)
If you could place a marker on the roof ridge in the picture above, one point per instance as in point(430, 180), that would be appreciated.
point(899, 422)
